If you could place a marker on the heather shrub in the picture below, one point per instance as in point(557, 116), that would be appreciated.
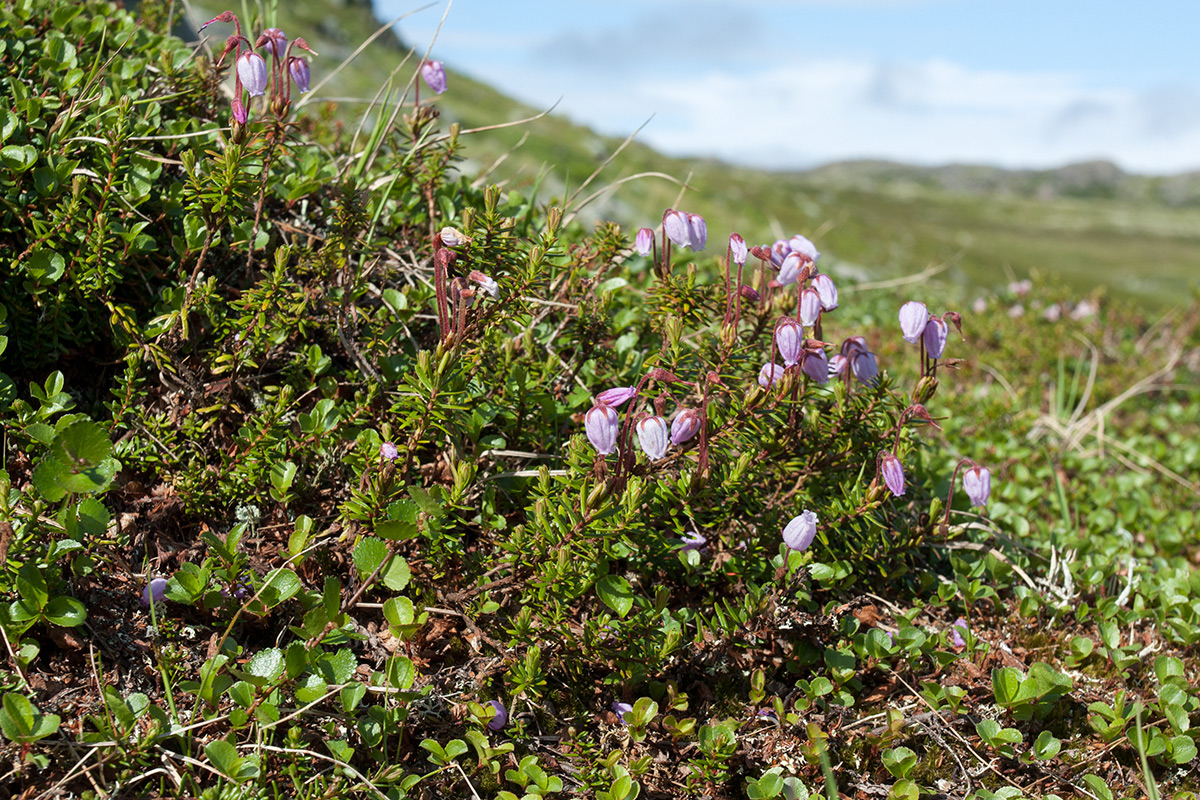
point(376, 469)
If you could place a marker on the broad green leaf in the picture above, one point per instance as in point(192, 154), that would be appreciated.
point(82, 445)
point(266, 665)
point(279, 585)
point(616, 593)
point(65, 611)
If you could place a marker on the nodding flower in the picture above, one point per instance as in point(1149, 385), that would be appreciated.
point(274, 41)
point(913, 316)
point(485, 283)
point(737, 249)
point(252, 71)
point(699, 231)
point(155, 591)
point(816, 365)
point(500, 718)
point(691, 541)
point(800, 532)
point(434, 73)
point(892, 472)
point(789, 340)
point(644, 242)
point(685, 425)
point(602, 426)
point(616, 396)
point(977, 483)
point(769, 374)
point(654, 436)
point(826, 291)
point(790, 269)
point(301, 74)
point(675, 224)
point(810, 307)
point(935, 333)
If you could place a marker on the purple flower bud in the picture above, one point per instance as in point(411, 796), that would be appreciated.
point(816, 366)
point(802, 245)
point(699, 231)
point(252, 71)
point(957, 631)
point(789, 339)
point(691, 541)
point(301, 74)
point(274, 41)
point(810, 307)
point(789, 271)
point(644, 242)
point(800, 532)
point(913, 316)
point(621, 709)
point(737, 249)
point(865, 367)
point(240, 115)
point(977, 483)
point(155, 591)
point(675, 223)
point(388, 451)
point(893, 473)
point(616, 396)
point(685, 425)
point(750, 293)
point(769, 374)
point(935, 335)
point(434, 74)
point(653, 436)
point(601, 424)
point(500, 718)
point(826, 291)
point(485, 283)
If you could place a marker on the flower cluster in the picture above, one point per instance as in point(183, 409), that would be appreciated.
point(253, 77)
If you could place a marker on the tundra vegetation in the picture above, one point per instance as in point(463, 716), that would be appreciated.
point(329, 471)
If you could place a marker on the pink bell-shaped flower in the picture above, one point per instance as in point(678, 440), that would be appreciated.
point(913, 316)
point(434, 74)
point(769, 374)
point(789, 270)
point(644, 242)
point(826, 291)
point(810, 307)
point(892, 472)
point(698, 229)
point(602, 426)
point(273, 41)
point(301, 74)
point(653, 436)
point(685, 425)
point(789, 340)
point(737, 249)
point(252, 71)
point(816, 366)
point(977, 483)
point(804, 247)
point(865, 367)
point(616, 396)
point(800, 532)
point(935, 335)
point(675, 223)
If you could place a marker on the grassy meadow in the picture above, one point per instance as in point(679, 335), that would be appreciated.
point(380, 461)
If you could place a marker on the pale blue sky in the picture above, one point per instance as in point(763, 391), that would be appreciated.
point(793, 84)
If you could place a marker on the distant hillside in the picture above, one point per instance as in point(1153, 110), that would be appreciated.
point(1087, 180)
point(1081, 226)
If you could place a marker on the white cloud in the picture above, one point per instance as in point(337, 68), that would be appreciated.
point(933, 111)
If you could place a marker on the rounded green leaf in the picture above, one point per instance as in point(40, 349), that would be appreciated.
point(81, 445)
point(65, 611)
point(616, 593)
